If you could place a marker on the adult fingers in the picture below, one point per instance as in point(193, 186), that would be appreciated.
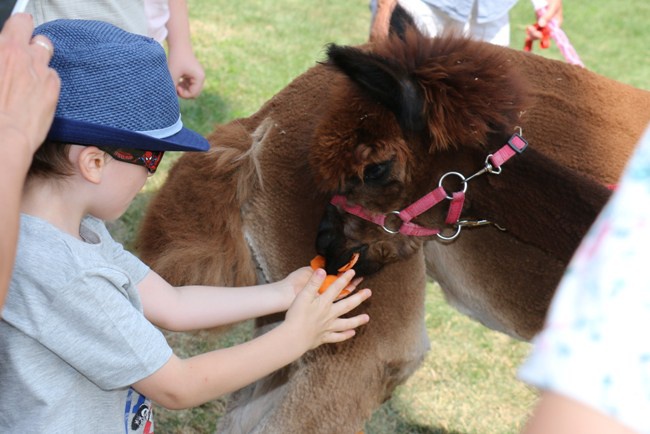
point(188, 87)
point(43, 49)
point(553, 10)
point(19, 27)
point(533, 33)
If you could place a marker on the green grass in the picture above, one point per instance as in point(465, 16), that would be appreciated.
point(252, 50)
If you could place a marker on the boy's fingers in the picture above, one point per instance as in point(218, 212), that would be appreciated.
point(354, 283)
point(334, 338)
point(315, 281)
point(344, 328)
point(343, 324)
point(338, 285)
point(346, 305)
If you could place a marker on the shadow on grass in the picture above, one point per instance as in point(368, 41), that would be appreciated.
point(205, 112)
point(390, 420)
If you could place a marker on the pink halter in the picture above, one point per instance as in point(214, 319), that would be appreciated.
point(493, 162)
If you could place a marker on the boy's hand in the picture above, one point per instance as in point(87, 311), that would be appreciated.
point(315, 317)
point(296, 281)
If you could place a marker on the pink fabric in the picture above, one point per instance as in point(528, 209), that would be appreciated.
point(561, 40)
point(423, 204)
point(415, 230)
point(157, 13)
point(515, 145)
point(357, 210)
point(507, 152)
point(455, 208)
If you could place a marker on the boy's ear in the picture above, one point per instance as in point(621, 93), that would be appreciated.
point(91, 162)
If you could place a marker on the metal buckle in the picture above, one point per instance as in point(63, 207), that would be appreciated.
point(462, 179)
point(517, 138)
point(391, 231)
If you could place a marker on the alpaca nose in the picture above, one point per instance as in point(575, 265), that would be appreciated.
point(330, 241)
point(331, 244)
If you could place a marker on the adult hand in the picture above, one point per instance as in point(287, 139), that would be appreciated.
point(29, 88)
point(553, 12)
point(187, 73)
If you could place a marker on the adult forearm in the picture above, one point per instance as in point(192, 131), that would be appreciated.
point(178, 27)
point(12, 178)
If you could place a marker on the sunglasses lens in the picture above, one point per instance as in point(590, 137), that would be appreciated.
point(148, 159)
point(151, 160)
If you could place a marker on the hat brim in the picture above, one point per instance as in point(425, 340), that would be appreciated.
point(87, 133)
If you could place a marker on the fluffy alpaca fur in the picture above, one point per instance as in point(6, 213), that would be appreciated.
point(255, 189)
point(465, 99)
point(253, 205)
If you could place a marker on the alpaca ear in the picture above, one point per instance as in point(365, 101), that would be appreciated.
point(384, 81)
point(390, 19)
point(400, 20)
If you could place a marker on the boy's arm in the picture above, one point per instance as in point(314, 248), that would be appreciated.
point(313, 319)
point(198, 307)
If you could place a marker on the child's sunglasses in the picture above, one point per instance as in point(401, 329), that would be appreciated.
point(148, 159)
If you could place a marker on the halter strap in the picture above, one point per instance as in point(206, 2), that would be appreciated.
point(493, 162)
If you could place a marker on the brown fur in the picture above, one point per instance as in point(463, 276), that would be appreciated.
point(253, 203)
point(193, 232)
point(581, 128)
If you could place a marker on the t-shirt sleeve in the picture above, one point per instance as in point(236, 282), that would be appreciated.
point(94, 327)
point(121, 257)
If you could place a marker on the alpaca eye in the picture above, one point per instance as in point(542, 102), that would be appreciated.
point(377, 173)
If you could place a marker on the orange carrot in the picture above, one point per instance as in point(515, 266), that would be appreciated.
point(319, 262)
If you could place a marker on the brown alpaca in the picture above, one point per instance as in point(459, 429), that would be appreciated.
point(250, 209)
point(581, 128)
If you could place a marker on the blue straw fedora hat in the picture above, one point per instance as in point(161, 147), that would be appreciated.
point(116, 90)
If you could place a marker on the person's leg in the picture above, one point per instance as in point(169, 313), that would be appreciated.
point(430, 20)
point(496, 32)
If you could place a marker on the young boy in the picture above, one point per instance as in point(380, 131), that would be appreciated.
point(78, 347)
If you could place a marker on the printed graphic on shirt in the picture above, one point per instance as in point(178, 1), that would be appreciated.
point(138, 414)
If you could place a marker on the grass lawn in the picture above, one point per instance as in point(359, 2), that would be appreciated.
point(252, 50)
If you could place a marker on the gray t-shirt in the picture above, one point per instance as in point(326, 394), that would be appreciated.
point(73, 337)
point(128, 15)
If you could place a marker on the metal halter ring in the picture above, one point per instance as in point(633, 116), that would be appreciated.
point(462, 179)
point(390, 231)
point(451, 237)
